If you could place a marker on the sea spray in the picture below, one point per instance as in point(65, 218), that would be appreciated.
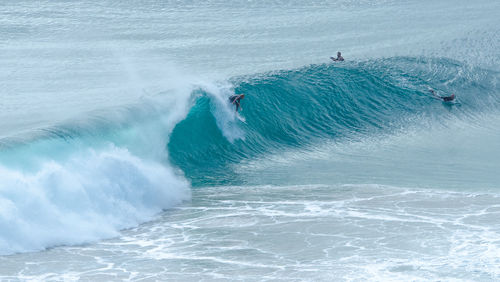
point(223, 112)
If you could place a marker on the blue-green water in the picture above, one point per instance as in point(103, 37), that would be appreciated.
point(122, 159)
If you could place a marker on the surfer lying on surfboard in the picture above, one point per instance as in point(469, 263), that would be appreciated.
point(236, 99)
point(444, 98)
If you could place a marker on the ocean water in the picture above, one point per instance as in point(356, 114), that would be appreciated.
point(121, 159)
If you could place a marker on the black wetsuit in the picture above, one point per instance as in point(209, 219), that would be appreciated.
point(235, 99)
point(448, 99)
point(445, 99)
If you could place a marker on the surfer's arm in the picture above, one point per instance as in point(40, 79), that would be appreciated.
point(434, 93)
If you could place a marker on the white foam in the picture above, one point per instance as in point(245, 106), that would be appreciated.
point(90, 196)
point(223, 112)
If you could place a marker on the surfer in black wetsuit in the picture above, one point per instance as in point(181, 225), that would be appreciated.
point(236, 99)
point(444, 98)
point(339, 57)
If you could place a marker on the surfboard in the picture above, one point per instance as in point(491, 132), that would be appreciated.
point(241, 118)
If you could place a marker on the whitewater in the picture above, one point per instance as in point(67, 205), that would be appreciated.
point(121, 158)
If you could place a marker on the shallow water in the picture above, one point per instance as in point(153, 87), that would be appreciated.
point(310, 232)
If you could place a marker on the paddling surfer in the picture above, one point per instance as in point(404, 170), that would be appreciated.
point(444, 98)
point(339, 57)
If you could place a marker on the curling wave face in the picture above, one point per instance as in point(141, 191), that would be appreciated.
point(307, 107)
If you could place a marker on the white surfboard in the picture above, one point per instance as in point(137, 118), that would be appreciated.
point(241, 118)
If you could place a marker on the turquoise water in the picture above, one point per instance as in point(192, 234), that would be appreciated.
point(306, 107)
point(121, 158)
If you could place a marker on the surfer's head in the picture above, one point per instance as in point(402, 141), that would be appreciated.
point(339, 54)
point(242, 96)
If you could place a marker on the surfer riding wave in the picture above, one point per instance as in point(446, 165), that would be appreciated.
point(236, 100)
